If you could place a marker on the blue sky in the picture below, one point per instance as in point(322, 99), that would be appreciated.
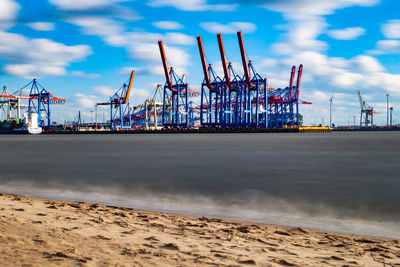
point(83, 50)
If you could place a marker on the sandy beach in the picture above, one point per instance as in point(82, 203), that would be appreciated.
point(42, 232)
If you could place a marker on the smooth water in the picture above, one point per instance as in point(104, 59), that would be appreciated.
point(346, 182)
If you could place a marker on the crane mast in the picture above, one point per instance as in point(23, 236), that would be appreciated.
point(165, 65)
point(244, 59)
point(204, 62)
point(223, 60)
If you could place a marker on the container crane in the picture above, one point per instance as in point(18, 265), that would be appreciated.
point(39, 101)
point(255, 105)
point(120, 114)
point(11, 106)
point(233, 90)
point(212, 94)
point(153, 108)
point(283, 104)
point(177, 92)
point(367, 113)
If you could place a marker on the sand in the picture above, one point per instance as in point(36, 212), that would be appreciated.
point(43, 232)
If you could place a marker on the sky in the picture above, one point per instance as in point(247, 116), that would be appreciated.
point(84, 50)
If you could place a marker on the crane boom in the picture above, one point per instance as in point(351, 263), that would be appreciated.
point(244, 59)
point(293, 73)
point(204, 62)
point(128, 92)
point(299, 74)
point(223, 59)
point(360, 99)
point(164, 61)
point(292, 76)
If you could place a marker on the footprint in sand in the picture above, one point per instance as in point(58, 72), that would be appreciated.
point(128, 252)
point(286, 263)
point(250, 262)
point(151, 238)
point(170, 246)
point(39, 241)
point(19, 209)
point(282, 233)
point(122, 224)
point(75, 205)
point(128, 232)
point(102, 237)
point(149, 245)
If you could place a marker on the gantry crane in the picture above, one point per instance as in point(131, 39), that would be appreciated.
point(367, 113)
point(255, 95)
point(233, 89)
point(39, 101)
point(153, 109)
point(212, 94)
point(176, 92)
point(120, 112)
point(10, 105)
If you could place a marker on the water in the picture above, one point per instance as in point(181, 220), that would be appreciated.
point(345, 182)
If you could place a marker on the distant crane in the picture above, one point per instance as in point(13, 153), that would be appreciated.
point(8, 105)
point(120, 107)
point(39, 101)
point(79, 120)
point(153, 108)
point(176, 92)
point(367, 113)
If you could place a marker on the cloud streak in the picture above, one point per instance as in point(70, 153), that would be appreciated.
point(29, 58)
point(192, 5)
point(230, 28)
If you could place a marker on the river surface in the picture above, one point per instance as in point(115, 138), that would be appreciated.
point(345, 182)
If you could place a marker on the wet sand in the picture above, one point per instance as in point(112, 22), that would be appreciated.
point(43, 232)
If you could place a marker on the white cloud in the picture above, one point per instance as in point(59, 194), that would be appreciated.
point(93, 25)
point(85, 101)
point(267, 63)
point(33, 70)
point(152, 70)
point(230, 28)
point(34, 57)
point(168, 25)
point(346, 79)
point(8, 12)
point(41, 26)
point(390, 46)
point(367, 64)
point(149, 53)
point(306, 22)
point(103, 91)
point(79, 73)
point(387, 81)
point(351, 33)
point(306, 9)
point(392, 29)
point(301, 36)
point(141, 46)
point(386, 47)
point(179, 38)
point(192, 5)
point(83, 4)
point(140, 94)
point(320, 96)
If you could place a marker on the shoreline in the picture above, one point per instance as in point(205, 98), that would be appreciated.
point(40, 231)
